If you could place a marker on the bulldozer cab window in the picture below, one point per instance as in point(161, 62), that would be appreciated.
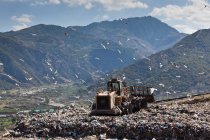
point(109, 86)
point(115, 86)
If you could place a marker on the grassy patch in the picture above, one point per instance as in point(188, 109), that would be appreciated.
point(7, 110)
point(6, 122)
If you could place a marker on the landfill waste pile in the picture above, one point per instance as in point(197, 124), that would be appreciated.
point(159, 121)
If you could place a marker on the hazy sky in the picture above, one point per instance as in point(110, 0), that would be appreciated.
point(185, 15)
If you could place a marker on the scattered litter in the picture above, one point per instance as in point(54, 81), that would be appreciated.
point(138, 81)
point(162, 85)
point(121, 60)
point(178, 76)
point(77, 97)
point(83, 81)
point(161, 65)
point(201, 73)
point(21, 60)
point(147, 58)
point(185, 66)
point(120, 43)
point(1, 64)
point(103, 46)
point(25, 72)
point(76, 76)
point(150, 68)
point(31, 78)
point(17, 84)
point(102, 78)
point(48, 63)
point(124, 77)
point(119, 51)
point(97, 58)
point(33, 34)
point(177, 66)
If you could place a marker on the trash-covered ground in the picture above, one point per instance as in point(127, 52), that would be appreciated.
point(188, 120)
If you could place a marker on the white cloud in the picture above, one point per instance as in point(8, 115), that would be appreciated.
point(54, 1)
point(102, 17)
point(105, 17)
point(19, 27)
point(109, 5)
point(193, 16)
point(15, 0)
point(117, 5)
point(35, 2)
point(89, 6)
point(39, 2)
point(185, 28)
point(23, 20)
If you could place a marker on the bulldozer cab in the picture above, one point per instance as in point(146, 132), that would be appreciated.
point(115, 85)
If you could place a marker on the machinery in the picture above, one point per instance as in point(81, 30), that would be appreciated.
point(120, 99)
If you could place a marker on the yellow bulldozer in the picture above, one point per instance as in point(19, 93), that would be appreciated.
point(120, 99)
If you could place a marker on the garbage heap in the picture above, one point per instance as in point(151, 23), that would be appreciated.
point(159, 121)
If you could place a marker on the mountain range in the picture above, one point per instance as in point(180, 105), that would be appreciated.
point(144, 35)
point(49, 54)
point(183, 68)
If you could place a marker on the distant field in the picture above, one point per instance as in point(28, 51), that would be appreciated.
point(37, 100)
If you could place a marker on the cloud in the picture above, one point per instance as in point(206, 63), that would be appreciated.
point(54, 1)
point(22, 21)
point(117, 5)
point(102, 17)
point(14, 0)
point(193, 16)
point(43, 2)
point(185, 28)
point(109, 5)
point(105, 17)
point(35, 2)
point(89, 6)
point(19, 27)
